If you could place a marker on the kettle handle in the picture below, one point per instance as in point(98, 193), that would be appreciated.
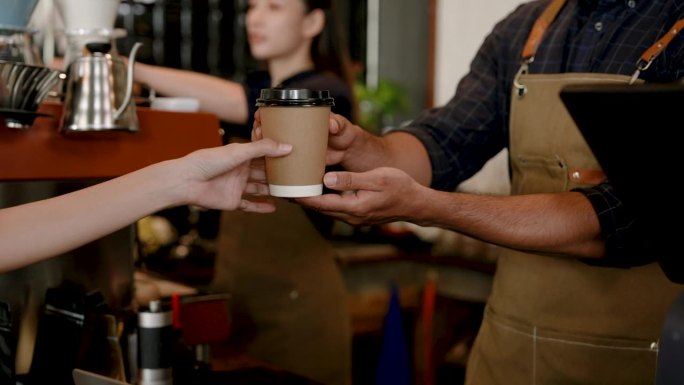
point(129, 81)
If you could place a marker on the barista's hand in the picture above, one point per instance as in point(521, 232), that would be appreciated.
point(341, 139)
point(378, 196)
point(218, 177)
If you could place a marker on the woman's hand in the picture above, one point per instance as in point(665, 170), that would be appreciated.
point(378, 196)
point(218, 177)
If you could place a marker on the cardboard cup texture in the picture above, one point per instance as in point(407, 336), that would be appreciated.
point(300, 173)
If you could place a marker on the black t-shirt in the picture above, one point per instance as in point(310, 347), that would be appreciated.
point(314, 80)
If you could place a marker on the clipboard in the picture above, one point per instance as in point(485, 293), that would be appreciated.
point(634, 131)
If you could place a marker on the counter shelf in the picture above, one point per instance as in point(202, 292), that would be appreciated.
point(41, 152)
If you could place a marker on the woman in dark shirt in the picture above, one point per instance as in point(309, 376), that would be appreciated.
point(297, 42)
point(288, 297)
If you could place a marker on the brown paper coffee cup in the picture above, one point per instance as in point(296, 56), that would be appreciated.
point(298, 117)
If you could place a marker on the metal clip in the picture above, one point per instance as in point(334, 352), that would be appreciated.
point(642, 65)
point(524, 67)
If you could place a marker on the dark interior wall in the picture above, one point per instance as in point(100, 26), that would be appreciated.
point(209, 35)
point(191, 34)
point(403, 48)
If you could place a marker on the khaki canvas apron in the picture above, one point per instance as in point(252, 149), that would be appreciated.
point(553, 320)
point(288, 299)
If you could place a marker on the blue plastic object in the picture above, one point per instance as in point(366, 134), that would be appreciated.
point(15, 14)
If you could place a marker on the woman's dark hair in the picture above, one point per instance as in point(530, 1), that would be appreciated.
point(329, 50)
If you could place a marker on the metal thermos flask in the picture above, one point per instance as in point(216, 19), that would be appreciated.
point(155, 340)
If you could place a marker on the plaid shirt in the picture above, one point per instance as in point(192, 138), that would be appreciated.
point(601, 36)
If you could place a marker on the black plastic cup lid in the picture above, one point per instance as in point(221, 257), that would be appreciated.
point(294, 97)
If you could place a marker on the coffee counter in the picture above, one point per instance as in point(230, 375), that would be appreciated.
point(41, 152)
point(40, 162)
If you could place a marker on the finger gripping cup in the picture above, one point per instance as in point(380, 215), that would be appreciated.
point(298, 117)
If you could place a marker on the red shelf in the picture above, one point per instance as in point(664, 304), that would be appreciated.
point(41, 152)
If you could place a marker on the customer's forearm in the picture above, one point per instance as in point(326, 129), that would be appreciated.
point(214, 177)
point(35, 231)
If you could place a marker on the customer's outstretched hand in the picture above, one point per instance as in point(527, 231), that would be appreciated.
point(218, 179)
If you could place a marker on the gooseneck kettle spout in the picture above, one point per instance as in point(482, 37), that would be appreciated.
point(98, 92)
point(129, 81)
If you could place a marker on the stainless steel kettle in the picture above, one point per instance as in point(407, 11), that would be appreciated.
point(98, 92)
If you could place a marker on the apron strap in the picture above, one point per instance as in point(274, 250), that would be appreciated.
point(535, 37)
point(539, 29)
point(649, 56)
point(549, 15)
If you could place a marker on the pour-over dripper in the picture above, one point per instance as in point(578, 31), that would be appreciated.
point(88, 14)
point(78, 38)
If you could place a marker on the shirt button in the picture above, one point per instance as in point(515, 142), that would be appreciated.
point(631, 3)
point(598, 26)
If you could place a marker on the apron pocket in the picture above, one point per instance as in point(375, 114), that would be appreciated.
point(593, 360)
point(534, 173)
point(509, 351)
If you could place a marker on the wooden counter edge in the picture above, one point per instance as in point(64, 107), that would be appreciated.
point(41, 152)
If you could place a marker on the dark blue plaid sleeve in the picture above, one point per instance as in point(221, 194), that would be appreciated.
point(623, 239)
point(472, 127)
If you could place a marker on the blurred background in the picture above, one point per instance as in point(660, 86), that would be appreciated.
point(408, 55)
